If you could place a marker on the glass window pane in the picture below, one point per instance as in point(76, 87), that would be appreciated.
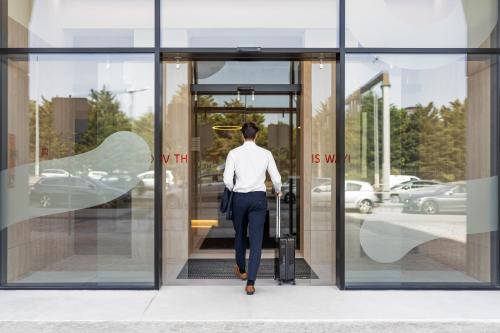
point(81, 23)
point(75, 206)
point(318, 123)
point(243, 72)
point(421, 23)
point(429, 118)
point(259, 23)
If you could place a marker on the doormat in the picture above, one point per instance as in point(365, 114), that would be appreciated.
point(207, 269)
point(214, 243)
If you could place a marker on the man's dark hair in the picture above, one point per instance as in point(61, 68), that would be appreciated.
point(249, 130)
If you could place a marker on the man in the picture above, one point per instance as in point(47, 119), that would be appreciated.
point(245, 175)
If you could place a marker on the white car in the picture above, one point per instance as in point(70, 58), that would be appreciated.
point(47, 173)
point(148, 179)
point(97, 175)
point(358, 195)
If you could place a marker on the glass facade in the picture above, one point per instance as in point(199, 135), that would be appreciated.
point(383, 115)
point(259, 23)
point(422, 136)
point(426, 23)
point(75, 200)
point(80, 23)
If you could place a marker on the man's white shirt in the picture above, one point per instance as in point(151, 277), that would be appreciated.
point(249, 164)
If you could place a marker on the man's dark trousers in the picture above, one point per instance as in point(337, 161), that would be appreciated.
point(249, 211)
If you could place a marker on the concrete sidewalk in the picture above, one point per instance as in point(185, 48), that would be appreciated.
point(271, 309)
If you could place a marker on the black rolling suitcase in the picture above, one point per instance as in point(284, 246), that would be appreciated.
point(284, 259)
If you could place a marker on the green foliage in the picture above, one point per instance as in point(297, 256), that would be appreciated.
point(426, 141)
point(52, 144)
point(104, 119)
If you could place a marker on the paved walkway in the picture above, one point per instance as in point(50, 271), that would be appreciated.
point(271, 309)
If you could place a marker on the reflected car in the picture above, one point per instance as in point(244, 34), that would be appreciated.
point(148, 179)
point(97, 175)
point(54, 173)
point(120, 179)
point(450, 198)
point(399, 179)
point(358, 195)
point(84, 192)
point(398, 192)
point(291, 196)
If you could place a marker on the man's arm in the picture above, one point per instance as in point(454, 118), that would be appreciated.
point(274, 173)
point(229, 172)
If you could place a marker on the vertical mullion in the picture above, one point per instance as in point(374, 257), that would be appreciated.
point(3, 136)
point(4, 17)
point(495, 81)
point(3, 165)
point(340, 151)
point(158, 223)
point(495, 143)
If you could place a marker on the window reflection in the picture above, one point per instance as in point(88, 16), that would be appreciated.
point(258, 23)
point(80, 23)
point(418, 129)
point(429, 23)
point(76, 206)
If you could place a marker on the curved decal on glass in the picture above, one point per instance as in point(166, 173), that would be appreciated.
point(387, 239)
point(105, 175)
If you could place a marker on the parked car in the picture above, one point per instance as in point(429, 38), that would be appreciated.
point(398, 179)
point(451, 198)
point(148, 179)
point(358, 195)
point(120, 179)
point(54, 173)
point(291, 195)
point(75, 192)
point(400, 190)
point(97, 175)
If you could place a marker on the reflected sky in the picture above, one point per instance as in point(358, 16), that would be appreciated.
point(415, 79)
point(130, 78)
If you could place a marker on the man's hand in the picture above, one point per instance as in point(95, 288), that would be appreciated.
point(279, 194)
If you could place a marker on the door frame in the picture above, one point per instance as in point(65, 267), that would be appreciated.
point(278, 54)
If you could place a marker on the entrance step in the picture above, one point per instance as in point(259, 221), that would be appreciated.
point(273, 309)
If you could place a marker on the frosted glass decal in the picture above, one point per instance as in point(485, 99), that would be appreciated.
point(57, 192)
point(389, 240)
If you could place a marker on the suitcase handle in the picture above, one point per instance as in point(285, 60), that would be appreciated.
point(278, 216)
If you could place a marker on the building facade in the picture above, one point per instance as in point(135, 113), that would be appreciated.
point(116, 118)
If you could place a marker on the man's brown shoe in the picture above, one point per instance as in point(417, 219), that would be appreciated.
point(250, 290)
point(242, 276)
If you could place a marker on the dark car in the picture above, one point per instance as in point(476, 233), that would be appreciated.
point(400, 192)
point(451, 198)
point(76, 192)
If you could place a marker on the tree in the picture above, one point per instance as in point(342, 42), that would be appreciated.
point(104, 119)
point(52, 145)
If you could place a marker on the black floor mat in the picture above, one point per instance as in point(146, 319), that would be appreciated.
point(206, 269)
point(214, 243)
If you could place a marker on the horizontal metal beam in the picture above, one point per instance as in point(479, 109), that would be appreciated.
point(221, 109)
point(77, 50)
point(245, 89)
point(250, 53)
point(424, 50)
